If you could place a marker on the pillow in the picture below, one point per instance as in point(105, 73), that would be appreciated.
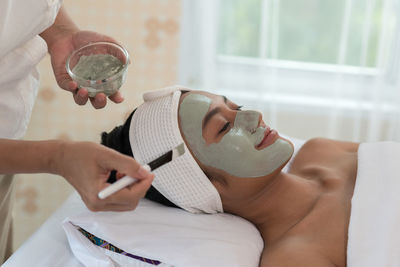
point(171, 236)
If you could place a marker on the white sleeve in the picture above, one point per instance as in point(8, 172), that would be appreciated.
point(21, 20)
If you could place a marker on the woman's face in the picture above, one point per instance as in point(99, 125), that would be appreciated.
point(228, 142)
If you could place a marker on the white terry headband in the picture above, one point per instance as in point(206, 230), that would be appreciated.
point(154, 130)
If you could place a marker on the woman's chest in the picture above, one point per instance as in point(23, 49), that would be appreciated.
point(325, 228)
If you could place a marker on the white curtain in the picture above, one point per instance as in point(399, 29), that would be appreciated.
point(302, 99)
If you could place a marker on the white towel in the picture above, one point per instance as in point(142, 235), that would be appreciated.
point(374, 229)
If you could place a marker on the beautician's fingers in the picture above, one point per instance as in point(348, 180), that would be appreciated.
point(107, 205)
point(131, 194)
point(123, 200)
point(87, 166)
point(116, 98)
point(72, 86)
point(140, 188)
point(119, 175)
point(126, 165)
point(116, 202)
point(81, 96)
point(99, 101)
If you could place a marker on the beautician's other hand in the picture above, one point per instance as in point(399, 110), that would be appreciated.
point(61, 49)
point(87, 166)
point(62, 38)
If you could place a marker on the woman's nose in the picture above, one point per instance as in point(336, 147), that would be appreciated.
point(248, 119)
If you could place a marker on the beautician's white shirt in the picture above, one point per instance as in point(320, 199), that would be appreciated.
point(21, 49)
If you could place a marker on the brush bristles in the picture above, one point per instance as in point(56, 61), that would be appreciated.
point(178, 151)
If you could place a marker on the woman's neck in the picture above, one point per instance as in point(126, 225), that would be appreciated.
point(281, 205)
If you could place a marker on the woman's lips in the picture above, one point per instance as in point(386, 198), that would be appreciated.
point(269, 138)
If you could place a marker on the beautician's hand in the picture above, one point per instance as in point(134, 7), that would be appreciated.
point(62, 38)
point(59, 53)
point(86, 166)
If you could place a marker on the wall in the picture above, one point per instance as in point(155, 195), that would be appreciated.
point(149, 29)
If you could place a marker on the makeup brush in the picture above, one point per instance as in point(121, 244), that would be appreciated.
point(158, 162)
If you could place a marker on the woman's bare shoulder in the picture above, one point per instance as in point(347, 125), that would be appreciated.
point(318, 153)
point(325, 143)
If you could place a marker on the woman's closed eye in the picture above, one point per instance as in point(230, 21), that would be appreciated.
point(226, 125)
point(223, 129)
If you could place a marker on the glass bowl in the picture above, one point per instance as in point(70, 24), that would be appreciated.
point(110, 75)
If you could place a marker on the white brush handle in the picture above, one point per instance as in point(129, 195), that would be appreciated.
point(118, 185)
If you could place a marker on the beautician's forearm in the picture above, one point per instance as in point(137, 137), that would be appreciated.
point(29, 156)
point(62, 25)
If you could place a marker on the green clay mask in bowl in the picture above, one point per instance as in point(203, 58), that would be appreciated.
point(99, 67)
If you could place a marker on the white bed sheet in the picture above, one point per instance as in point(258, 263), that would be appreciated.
point(49, 246)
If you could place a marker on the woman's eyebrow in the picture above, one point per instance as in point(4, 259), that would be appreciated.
point(212, 113)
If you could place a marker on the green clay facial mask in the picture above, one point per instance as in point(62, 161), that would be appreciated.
point(92, 69)
point(97, 67)
point(235, 153)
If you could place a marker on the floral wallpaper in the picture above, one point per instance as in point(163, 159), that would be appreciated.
point(149, 29)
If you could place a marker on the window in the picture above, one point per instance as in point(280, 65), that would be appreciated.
point(290, 50)
point(328, 32)
point(291, 58)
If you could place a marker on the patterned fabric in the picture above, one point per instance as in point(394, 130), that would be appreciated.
point(104, 244)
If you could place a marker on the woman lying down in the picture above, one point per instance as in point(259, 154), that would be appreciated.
point(305, 215)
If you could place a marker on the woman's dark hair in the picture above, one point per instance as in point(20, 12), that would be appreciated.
point(118, 139)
